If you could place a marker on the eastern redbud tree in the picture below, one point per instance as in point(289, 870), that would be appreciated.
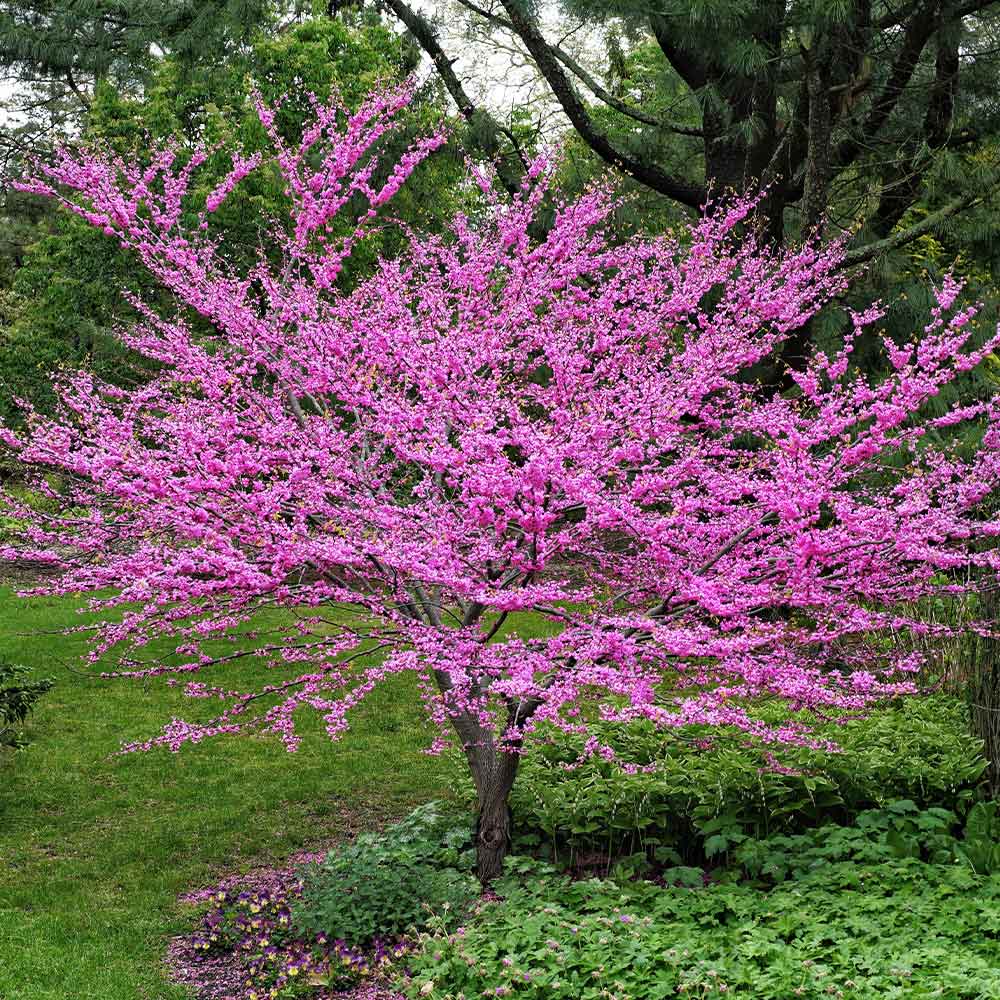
point(494, 429)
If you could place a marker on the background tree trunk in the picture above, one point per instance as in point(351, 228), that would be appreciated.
point(983, 689)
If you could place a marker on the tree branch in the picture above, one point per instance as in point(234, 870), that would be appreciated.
point(692, 70)
point(896, 240)
point(894, 18)
point(73, 86)
point(649, 174)
point(622, 107)
point(918, 32)
point(426, 37)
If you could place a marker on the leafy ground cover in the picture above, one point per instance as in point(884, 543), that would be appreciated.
point(342, 921)
point(95, 849)
point(901, 900)
point(904, 903)
point(694, 793)
point(899, 929)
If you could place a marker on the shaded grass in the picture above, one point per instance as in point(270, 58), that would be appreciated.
point(95, 848)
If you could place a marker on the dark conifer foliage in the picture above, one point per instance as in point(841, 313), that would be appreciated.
point(853, 111)
point(77, 40)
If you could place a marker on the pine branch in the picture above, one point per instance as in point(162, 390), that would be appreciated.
point(926, 225)
point(646, 173)
point(690, 68)
point(588, 80)
point(916, 36)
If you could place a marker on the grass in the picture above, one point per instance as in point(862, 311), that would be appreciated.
point(95, 848)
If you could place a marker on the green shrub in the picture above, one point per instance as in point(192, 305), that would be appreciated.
point(701, 788)
point(17, 697)
point(901, 830)
point(980, 847)
point(902, 929)
point(385, 884)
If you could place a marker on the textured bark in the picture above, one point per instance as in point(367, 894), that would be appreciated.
point(817, 167)
point(493, 772)
point(493, 767)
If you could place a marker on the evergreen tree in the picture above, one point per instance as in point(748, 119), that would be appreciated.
point(80, 41)
point(851, 112)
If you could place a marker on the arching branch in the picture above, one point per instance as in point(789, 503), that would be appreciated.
point(549, 66)
point(588, 80)
point(426, 37)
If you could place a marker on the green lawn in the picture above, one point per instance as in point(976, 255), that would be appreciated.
point(95, 848)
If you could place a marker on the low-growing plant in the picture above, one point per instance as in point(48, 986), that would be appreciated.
point(903, 929)
point(901, 830)
point(980, 847)
point(336, 923)
point(691, 794)
point(18, 695)
point(250, 925)
point(383, 885)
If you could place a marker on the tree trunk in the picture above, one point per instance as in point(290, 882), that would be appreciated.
point(817, 168)
point(493, 772)
point(983, 689)
point(493, 768)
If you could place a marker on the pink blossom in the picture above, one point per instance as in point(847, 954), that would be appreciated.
point(494, 426)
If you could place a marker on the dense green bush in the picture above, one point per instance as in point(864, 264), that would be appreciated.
point(901, 830)
point(17, 697)
point(695, 790)
point(901, 929)
point(386, 884)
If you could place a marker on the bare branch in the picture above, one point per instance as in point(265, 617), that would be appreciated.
point(588, 80)
point(424, 33)
point(646, 173)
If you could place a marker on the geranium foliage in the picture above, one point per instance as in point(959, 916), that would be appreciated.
point(493, 425)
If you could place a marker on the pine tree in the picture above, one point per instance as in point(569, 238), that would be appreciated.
point(852, 111)
point(85, 40)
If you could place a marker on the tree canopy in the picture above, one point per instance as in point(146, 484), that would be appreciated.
point(848, 113)
point(61, 301)
point(873, 119)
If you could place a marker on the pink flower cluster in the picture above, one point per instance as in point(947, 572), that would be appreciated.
point(492, 427)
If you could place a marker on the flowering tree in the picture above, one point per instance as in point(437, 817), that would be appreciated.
point(489, 428)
